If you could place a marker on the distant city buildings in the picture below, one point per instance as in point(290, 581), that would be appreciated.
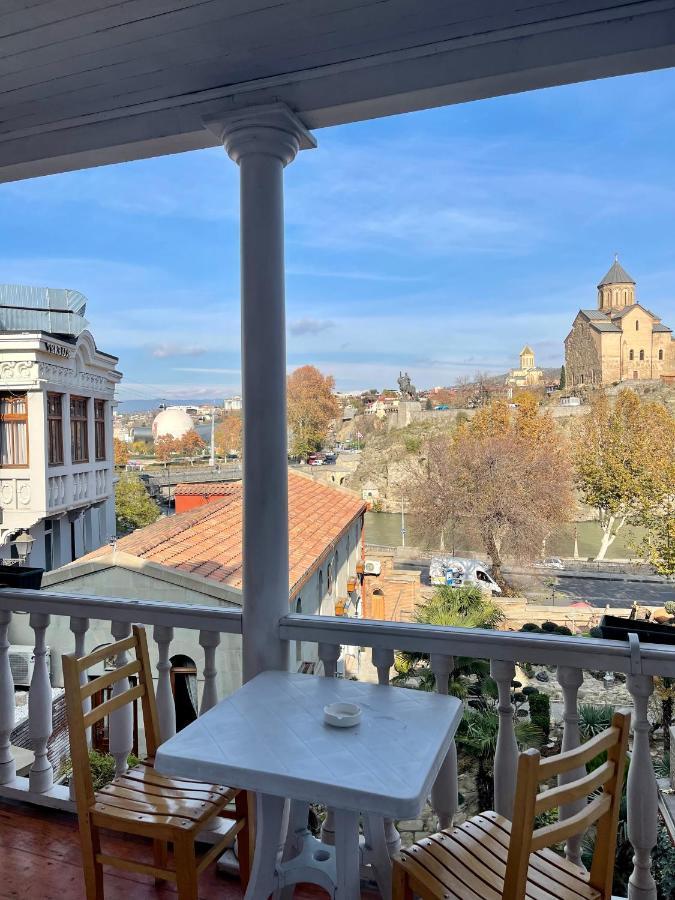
point(56, 401)
point(620, 340)
point(232, 404)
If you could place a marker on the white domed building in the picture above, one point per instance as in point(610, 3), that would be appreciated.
point(172, 421)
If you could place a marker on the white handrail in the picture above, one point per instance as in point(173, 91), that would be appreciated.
point(145, 612)
point(544, 649)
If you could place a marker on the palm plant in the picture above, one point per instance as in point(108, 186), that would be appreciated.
point(464, 607)
point(477, 737)
point(594, 719)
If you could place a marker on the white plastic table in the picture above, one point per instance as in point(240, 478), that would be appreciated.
point(270, 737)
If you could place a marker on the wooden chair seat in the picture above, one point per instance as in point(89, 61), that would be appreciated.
point(469, 863)
point(142, 794)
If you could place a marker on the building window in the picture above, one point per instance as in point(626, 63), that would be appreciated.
point(99, 428)
point(79, 440)
point(55, 428)
point(631, 355)
point(637, 325)
point(642, 354)
point(660, 354)
point(13, 430)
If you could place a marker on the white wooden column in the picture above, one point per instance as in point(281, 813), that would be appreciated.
point(445, 792)
point(41, 777)
point(7, 703)
point(506, 754)
point(262, 141)
point(641, 794)
point(79, 627)
point(570, 680)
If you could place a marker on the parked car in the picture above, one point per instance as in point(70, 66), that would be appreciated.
point(455, 571)
point(550, 562)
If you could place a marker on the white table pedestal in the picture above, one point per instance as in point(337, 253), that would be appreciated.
point(305, 858)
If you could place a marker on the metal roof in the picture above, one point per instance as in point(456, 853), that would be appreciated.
point(606, 326)
point(595, 314)
point(53, 310)
point(660, 326)
point(616, 275)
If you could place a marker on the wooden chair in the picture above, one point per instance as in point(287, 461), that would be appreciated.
point(143, 802)
point(488, 857)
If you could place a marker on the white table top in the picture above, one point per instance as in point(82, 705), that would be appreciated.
point(269, 736)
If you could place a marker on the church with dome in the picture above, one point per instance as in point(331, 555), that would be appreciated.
point(618, 340)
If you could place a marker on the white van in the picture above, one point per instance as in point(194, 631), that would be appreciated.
point(455, 571)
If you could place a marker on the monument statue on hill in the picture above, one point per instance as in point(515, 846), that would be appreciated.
point(406, 387)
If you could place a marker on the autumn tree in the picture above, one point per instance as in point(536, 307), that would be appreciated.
point(505, 474)
point(191, 444)
point(134, 507)
point(229, 434)
point(165, 447)
point(311, 407)
point(625, 469)
point(121, 451)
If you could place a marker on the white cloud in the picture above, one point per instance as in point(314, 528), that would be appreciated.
point(167, 351)
point(310, 326)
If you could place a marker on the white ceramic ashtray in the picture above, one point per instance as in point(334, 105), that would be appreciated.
point(342, 715)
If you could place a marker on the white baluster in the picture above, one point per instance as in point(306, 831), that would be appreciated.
point(506, 754)
point(329, 655)
point(41, 776)
point(166, 708)
point(7, 713)
point(383, 660)
point(444, 792)
point(641, 794)
point(121, 721)
point(209, 641)
point(570, 680)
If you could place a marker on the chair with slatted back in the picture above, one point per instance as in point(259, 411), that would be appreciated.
point(143, 802)
point(490, 858)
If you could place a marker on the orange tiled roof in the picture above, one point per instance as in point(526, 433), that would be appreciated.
point(207, 541)
point(208, 489)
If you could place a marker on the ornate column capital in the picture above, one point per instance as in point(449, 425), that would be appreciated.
point(271, 130)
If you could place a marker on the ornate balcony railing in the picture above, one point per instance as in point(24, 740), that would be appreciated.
point(571, 656)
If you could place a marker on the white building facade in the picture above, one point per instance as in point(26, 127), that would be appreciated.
point(56, 451)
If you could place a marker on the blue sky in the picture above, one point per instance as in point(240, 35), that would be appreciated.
point(439, 242)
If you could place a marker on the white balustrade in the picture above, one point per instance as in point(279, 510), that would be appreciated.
point(121, 721)
point(444, 793)
point(209, 641)
point(641, 793)
point(166, 708)
point(7, 764)
point(570, 680)
point(383, 660)
point(506, 753)
point(79, 627)
point(41, 776)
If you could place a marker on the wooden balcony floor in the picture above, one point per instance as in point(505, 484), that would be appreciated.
point(40, 858)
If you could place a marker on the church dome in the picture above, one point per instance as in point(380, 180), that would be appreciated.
point(616, 275)
point(617, 289)
point(172, 421)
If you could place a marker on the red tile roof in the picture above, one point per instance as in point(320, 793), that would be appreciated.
point(206, 541)
point(208, 489)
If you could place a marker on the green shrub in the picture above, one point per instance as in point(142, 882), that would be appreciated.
point(548, 627)
point(540, 712)
point(102, 767)
point(562, 629)
point(669, 607)
point(413, 443)
point(595, 632)
point(531, 626)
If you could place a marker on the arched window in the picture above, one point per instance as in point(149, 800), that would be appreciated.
point(637, 325)
point(329, 578)
point(625, 297)
point(320, 589)
point(642, 354)
point(298, 605)
point(660, 354)
point(298, 644)
point(184, 687)
point(631, 355)
point(336, 570)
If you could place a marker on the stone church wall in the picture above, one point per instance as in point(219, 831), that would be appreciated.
point(582, 359)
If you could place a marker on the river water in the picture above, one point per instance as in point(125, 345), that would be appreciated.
point(385, 528)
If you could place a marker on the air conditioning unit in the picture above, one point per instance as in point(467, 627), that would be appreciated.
point(372, 567)
point(22, 663)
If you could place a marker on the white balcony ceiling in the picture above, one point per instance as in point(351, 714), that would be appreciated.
point(85, 82)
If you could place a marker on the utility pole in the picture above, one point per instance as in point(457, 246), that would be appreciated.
point(212, 458)
point(402, 521)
